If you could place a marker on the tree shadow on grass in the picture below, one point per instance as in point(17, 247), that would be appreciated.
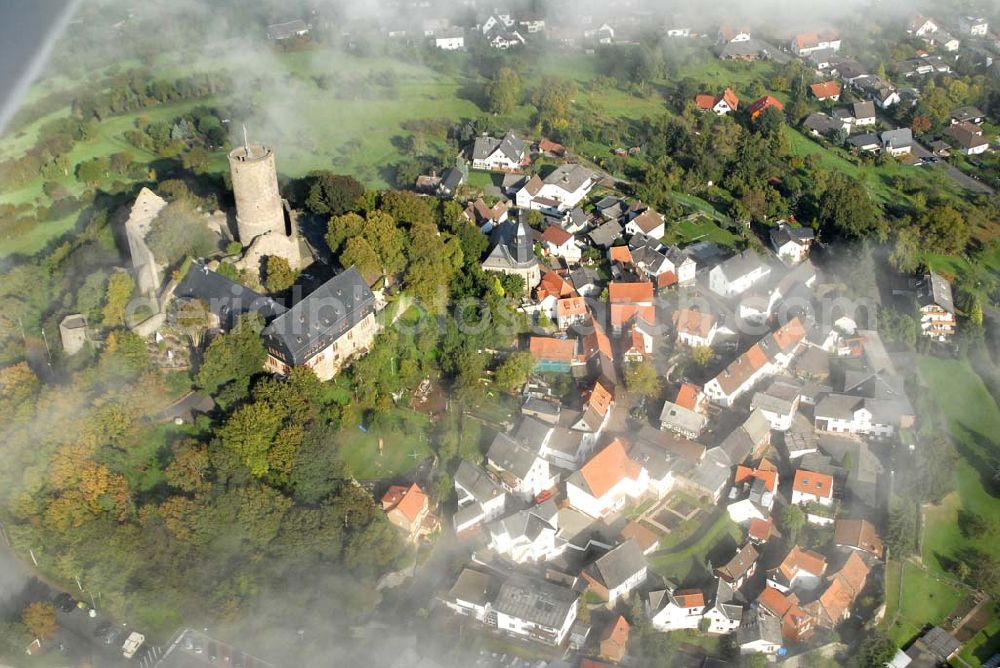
point(983, 457)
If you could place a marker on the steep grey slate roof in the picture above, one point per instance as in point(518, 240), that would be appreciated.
point(321, 318)
point(511, 456)
point(618, 565)
point(225, 298)
point(535, 601)
point(477, 482)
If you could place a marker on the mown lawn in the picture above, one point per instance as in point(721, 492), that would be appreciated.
point(404, 449)
point(926, 600)
point(700, 229)
point(974, 419)
point(689, 563)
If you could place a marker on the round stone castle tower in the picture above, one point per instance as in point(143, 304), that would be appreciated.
point(255, 186)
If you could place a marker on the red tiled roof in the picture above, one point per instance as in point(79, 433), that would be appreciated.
point(860, 534)
point(549, 146)
point(646, 538)
point(693, 322)
point(622, 313)
point(596, 341)
point(666, 279)
point(798, 559)
point(766, 102)
point(630, 293)
point(825, 89)
point(774, 601)
point(853, 573)
point(555, 235)
point(768, 475)
point(704, 101)
point(810, 482)
point(687, 396)
point(544, 348)
point(731, 99)
point(413, 502)
point(761, 529)
point(571, 306)
point(609, 467)
point(555, 285)
point(690, 598)
point(620, 254)
point(788, 335)
point(600, 398)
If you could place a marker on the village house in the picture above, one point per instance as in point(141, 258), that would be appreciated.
point(921, 26)
point(674, 609)
point(695, 328)
point(762, 530)
point(976, 26)
point(486, 217)
point(853, 414)
point(727, 34)
point(739, 376)
point(968, 138)
point(807, 43)
point(721, 104)
point(606, 234)
point(761, 105)
point(737, 570)
point(758, 633)
point(796, 623)
point(779, 403)
point(937, 307)
point(557, 242)
point(281, 31)
point(724, 611)
point(506, 154)
point(800, 570)
point(473, 595)
point(738, 274)
point(614, 641)
point(561, 190)
point(879, 91)
point(683, 415)
point(598, 401)
point(535, 609)
point(617, 573)
point(570, 311)
point(513, 254)
point(791, 244)
point(811, 487)
point(858, 534)
point(569, 448)
point(755, 489)
point(897, 142)
point(480, 498)
point(867, 142)
point(934, 647)
point(528, 536)
point(606, 483)
point(451, 40)
point(325, 330)
point(630, 301)
point(646, 221)
point(843, 587)
point(967, 114)
point(409, 509)
point(864, 113)
point(827, 90)
point(519, 467)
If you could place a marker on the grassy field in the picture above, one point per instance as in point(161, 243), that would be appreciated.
point(974, 419)
point(926, 599)
point(360, 451)
point(688, 564)
point(700, 229)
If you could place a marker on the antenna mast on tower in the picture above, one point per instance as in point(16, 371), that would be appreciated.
point(246, 143)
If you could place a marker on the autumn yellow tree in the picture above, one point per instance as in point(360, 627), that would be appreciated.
point(40, 618)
